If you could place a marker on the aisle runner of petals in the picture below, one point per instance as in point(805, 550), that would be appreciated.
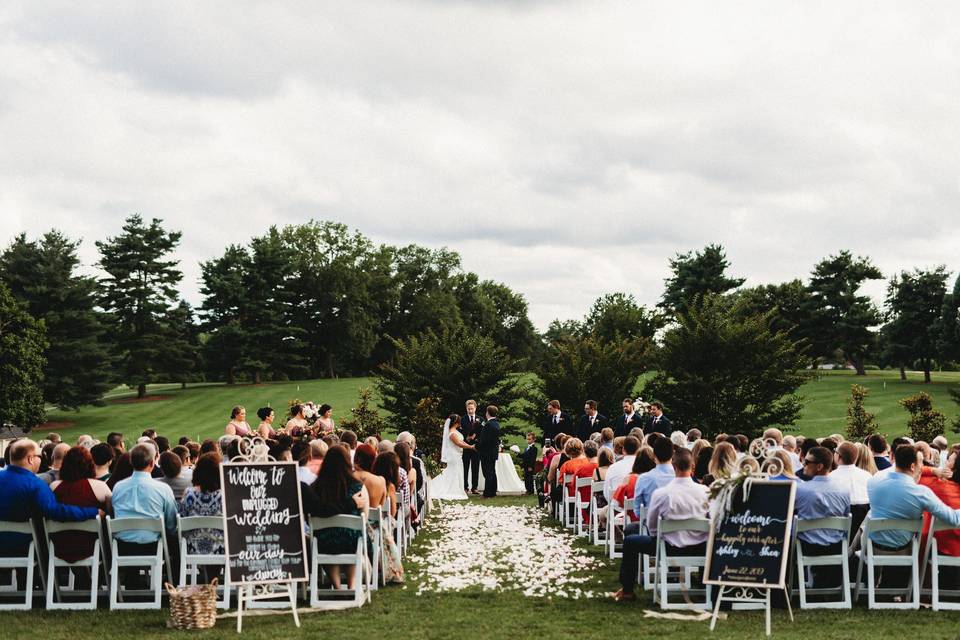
point(500, 549)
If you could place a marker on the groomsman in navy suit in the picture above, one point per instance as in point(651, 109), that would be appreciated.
point(627, 420)
point(556, 422)
point(658, 422)
point(470, 426)
point(591, 421)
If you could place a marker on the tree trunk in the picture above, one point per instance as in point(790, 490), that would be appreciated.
point(141, 390)
point(903, 374)
point(183, 385)
point(231, 376)
point(256, 377)
point(926, 370)
point(330, 365)
point(858, 365)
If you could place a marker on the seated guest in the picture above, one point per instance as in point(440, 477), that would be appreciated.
point(338, 491)
point(22, 494)
point(555, 461)
point(701, 465)
point(387, 466)
point(723, 464)
point(658, 476)
point(643, 462)
point(822, 497)
point(855, 480)
point(878, 445)
point(184, 453)
point(115, 440)
point(194, 450)
point(174, 475)
point(79, 487)
point(865, 459)
point(621, 468)
point(349, 438)
point(897, 495)
point(415, 461)
point(573, 449)
point(122, 469)
point(102, 455)
point(312, 461)
point(204, 498)
point(56, 459)
point(363, 461)
point(606, 438)
point(948, 490)
point(604, 462)
point(406, 489)
point(140, 496)
point(779, 460)
point(210, 446)
point(678, 499)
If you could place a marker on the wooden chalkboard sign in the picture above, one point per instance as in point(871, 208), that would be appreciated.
point(751, 545)
point(263, 523)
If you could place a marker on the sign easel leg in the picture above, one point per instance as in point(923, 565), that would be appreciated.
point(292, 590)
point(768, 611)
point(716, 608)
point(240, 595)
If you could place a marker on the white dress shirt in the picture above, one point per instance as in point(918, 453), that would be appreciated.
point(679, 499)
point(855, 480)
point(616, 473)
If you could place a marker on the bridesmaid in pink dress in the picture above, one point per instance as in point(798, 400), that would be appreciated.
point(238, 423)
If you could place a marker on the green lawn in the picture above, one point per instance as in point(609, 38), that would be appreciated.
point(203, 410)
point(397, 612)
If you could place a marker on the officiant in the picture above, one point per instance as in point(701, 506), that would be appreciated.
point(470, 426)
point(556, 421)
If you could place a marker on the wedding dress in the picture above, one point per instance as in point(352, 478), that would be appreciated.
point(449, 484)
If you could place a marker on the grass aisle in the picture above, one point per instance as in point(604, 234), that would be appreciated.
point(516, 549)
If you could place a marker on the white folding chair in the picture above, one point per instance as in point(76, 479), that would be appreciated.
point(617, 519)
point(358, 559)
point(55, 591)
point(663, 562)
point(872, 559)
point(154, 562)
point(191, 563)
point(569, 502)
point(582, 506)
point(27, 562)
point(841, 559)
point(375, 516)
point(598, 534)
point(935, 560)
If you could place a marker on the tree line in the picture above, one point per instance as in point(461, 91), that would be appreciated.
point(322, 300)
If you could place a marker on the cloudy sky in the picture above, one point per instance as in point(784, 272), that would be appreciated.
point(565, 148)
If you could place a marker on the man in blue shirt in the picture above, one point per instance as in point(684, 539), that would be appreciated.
point(821, 497)
point(657, 477)
point(140, 496)
point(23, 494)
point(896, 494)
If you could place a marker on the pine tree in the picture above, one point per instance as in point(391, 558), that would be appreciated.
point(43, 275)
point(696, 275)
point(22, 345)
point(139, 291)
point(860, 422)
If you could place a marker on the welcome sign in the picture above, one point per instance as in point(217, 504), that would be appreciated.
point(263, 532)
point(750, 547)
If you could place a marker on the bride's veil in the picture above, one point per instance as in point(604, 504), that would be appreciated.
point(445, 452)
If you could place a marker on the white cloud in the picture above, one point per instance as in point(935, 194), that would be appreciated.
point(568, 149)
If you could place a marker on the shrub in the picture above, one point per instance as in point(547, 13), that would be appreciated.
point(860, 422)
point(925, 424)
point(364, 420)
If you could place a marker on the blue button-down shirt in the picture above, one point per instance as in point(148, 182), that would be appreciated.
point(649, 482)
point(140, 496)
point(821, 497)
point(22, 495)
point(897, 495)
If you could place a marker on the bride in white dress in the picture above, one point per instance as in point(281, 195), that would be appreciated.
point(449, 484)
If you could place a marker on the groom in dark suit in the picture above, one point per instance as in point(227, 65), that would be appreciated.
point(489, 450)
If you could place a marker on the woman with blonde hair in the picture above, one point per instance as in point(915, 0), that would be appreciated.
point(779, 460)
point(723, 464)
point(865, 459)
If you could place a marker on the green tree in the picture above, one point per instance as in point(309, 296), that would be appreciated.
point(925, 423)
point(43, 275)
point(563, 331)
point(914, 307)
point(789, 302)
point(696, 275)
point(860, 422)
point(449, 365)
point(178, 360)
point(843, 319)
point(588, 368)
point(364, 420)
point(139, 291)
point(22, 345)
point(224, 311)
point(948, 342)
point(495, 310)
point(722, 371)
point(339, 301)
point(617, 316)
point(427, 426)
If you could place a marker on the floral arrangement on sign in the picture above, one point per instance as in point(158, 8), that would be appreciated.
point(726, 492)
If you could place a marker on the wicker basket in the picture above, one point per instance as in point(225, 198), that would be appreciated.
point(193, 607)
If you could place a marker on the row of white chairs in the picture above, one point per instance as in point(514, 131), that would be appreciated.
point(106, 559)
point(655, 572)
